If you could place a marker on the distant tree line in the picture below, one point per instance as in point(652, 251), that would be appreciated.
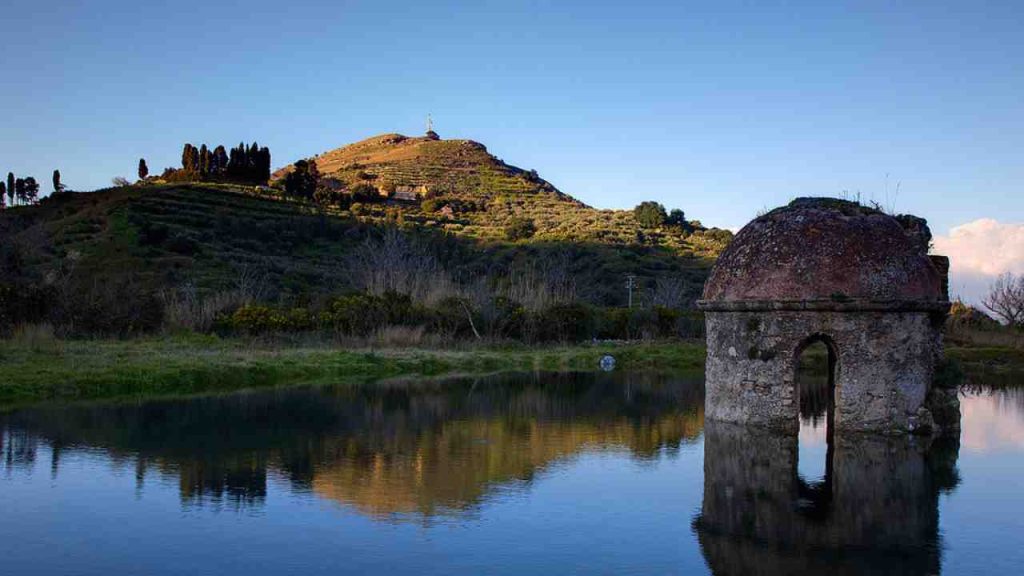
point(22, 191)
point(243, 164)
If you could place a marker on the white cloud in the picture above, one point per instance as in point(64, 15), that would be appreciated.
point(979, 251)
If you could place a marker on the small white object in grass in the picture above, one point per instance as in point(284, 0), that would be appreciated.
point(607, 363)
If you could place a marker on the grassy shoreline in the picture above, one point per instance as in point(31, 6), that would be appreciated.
point(82, 369)
point(32, 372)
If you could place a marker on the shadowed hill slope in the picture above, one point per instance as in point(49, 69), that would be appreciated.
point(206, 235)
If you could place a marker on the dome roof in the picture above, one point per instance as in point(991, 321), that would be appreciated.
point(826, 249)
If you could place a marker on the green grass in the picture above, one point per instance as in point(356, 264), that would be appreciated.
point(34, 370)
point(64, 370)
point(990, 366)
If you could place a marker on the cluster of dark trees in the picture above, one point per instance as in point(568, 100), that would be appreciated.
point(305, 182)
point(244, 164)
point(23, 191)
point(653, 215)
point(302, 181)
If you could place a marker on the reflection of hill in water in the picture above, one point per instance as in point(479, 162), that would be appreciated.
point(419, 447)
point(455, 466)
point(876, 514)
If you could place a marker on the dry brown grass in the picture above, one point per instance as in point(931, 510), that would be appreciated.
point(36, 338)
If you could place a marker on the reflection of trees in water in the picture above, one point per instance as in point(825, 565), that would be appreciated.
point(881, 516)
point(400, 447)
point(19, 448)
point(814, 399)
point(1008, 398)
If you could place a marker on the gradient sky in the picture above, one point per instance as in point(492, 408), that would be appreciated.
point(719, 108)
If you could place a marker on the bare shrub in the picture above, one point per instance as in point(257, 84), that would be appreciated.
point(393, 263)
point(1005, 299)
point(36, 338)
point(540, 285)
point(185, 309)
point(251, 283)
point(669, 292)
point(399, 336)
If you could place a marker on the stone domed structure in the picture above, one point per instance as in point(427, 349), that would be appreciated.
point(828, 270)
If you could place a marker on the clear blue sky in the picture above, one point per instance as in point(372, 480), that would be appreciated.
point(718, 108)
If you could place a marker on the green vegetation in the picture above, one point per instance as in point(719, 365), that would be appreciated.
point(519, 228)
point(991, 366)
point(650, 214)
point(37, 367)
point(114, 261)
point(467, 237)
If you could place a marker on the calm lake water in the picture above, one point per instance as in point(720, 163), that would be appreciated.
point(517, 474)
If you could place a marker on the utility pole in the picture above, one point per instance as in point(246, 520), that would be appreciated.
point(630, 284)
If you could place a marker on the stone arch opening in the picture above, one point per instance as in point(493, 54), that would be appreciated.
point(816, 364)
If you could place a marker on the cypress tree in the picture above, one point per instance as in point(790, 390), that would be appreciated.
point(3, 195)
point(186, 158)
point(246, 162)
point(19, 190)
point(10, 187)
point(264, 166)
point(204, 162)
point(236, 165)
point(220, 160)
point(194, 161)
point(143, 169)
point(253, 174)
point(57, 186)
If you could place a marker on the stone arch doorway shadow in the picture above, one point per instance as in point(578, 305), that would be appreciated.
point(816, 367)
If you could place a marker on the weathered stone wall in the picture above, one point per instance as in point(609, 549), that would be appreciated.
point(885, 362)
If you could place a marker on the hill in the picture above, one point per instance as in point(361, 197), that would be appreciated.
point(123, 259)
point(448, 167)
point(459, 187)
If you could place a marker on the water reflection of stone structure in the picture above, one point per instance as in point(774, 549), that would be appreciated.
point(836, 272)
point(875, 513)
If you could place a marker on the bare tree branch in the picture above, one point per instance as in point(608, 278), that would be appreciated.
point(1005, 299)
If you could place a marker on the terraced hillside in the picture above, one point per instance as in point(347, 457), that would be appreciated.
point(469, 192)
point(444, 167)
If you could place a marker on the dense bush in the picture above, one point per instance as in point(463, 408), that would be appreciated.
point(329, 196)
point(563, 323)
point(365, 193)
point(650, 214)
point(361, 314)
point(431, 205)
point(114, 307)
point(23, 304)
point(520, 228)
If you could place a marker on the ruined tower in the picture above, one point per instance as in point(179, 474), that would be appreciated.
point(831, 271)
